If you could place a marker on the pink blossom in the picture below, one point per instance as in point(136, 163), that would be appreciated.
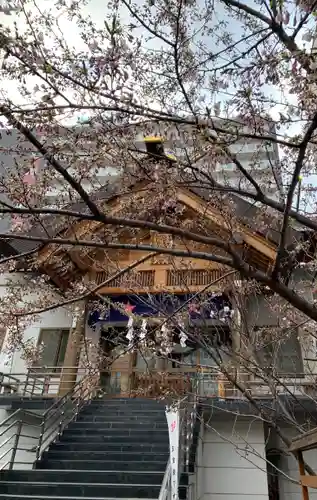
point(286, 17)
point(279, 17)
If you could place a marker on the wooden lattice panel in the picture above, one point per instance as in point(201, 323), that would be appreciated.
point(141, 279)
point(192, 277)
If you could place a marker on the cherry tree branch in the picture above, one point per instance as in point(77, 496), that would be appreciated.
point(91, 292)
point(233, 261)
point(290, 194)
point(287, 41)
point(303, 21)
point(146, 25)
point(132, 246)
point(156, 116)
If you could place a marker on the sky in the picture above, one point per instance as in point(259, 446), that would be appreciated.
point(97, 10)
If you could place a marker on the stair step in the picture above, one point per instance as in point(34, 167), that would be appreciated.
point(102, 465)
point(98, 490)
point(124, 432)
point(96, 427)
point(103, 437)
point(82, 476)
point(126, 408)
point(149, 412)
point(109, 447)
point(45, 497)
point(128, 402)
point(116, 456)
point(125, 417)
point(121, 420)
point(106, 416)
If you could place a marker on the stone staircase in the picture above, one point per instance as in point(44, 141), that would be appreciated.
point(117, 448)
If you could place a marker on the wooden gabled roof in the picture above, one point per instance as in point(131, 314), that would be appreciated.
point(64, 264)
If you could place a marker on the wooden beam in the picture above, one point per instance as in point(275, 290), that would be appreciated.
point(252, 239)
point(305, 441)
point(309, 481)
point(301, 466)
point(218, 287)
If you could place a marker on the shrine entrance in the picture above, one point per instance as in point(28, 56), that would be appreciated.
point(144, 373)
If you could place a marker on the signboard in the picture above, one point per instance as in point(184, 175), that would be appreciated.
point(173, 422)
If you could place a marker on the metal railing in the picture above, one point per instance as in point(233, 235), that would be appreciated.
point(216, 385)
point(41, 381)
point(53, 381)
point(46, 427)
point(208, 383)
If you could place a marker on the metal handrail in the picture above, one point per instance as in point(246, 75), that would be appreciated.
point(71, 392)
point(165, 491)
point(38, 381)
point(51, 422)
point(58, 408)
point(61, 424)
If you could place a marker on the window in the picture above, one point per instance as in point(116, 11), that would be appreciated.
point(175, 359)
point(54, 344)
point(206, 359)
point(283, 353)
point(115, 383)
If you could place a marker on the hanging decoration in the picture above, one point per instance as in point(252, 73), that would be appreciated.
point(225, 313)
point(130, 334)
point(164, 339)
point(143, 330)
point(214, 306)
point(182, 334)
point(220, 309)
point(135, 311)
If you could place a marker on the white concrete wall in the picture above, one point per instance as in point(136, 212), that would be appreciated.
point(29, 436)
point(233, 460)
point(57, 318)
point(28, 440)
point(196, 480)
point(25, 457)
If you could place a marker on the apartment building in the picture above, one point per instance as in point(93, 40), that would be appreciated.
point(259, 157)
point(96, 158)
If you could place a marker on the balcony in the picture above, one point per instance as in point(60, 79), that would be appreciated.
point(38, 387)
point(42, 386)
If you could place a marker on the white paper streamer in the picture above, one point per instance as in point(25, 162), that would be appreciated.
point(182, 335)
point(143, 330)
point(130, 334)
